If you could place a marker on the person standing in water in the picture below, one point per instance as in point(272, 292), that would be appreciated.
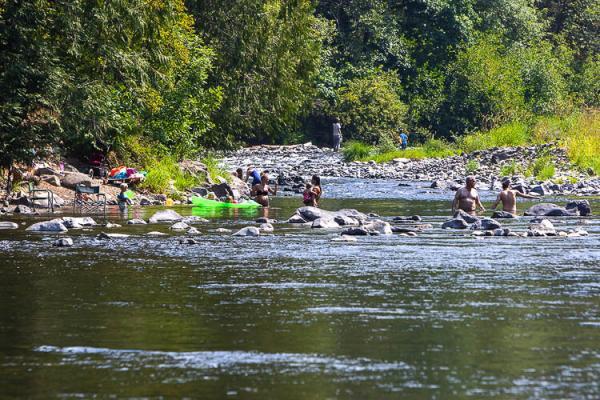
point(508, 198)
point(337, 134)
point(467, 198)
point(317, 189)
point(261, 191)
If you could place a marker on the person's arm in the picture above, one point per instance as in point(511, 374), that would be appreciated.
point(498, 200)
point(526, 196)
point(253, 191)
point(479, 204)
point(274, 191)
point(455, 201)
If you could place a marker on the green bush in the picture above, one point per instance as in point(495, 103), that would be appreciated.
point(511, 134)
point(542, 168)
point(370, 108)
point(355, 150)
point(214, 170)
point(166, 171)
point(471, 167)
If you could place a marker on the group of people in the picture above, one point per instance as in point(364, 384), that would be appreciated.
point(337, 136)
point(467, 199)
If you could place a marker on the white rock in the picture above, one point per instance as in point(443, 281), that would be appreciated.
point(136, 221)
point(179, 226)
point(248, 231)
point(266, 228)
point(193, 231)
point(223, 230)
point(104, 235)
point(54, 225)
point(165, 216)
point(384, 228)
point(63, 242)
point(155, 233)
point(8, 225)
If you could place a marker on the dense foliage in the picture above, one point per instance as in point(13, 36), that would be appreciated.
point(187, 75)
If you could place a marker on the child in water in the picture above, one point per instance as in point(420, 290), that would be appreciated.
point(310, 196)
point(122, 198)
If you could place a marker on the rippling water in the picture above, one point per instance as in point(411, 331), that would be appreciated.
point(294, 315)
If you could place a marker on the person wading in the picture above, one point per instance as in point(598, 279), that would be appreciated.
point(261, 191)
point(508, 198)
point(467, 198)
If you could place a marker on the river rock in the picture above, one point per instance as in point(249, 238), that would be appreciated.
point(542, 228)
point(51, 179)
point(194, 220)
point(343, 220)
point(104, 235)
point(468, 218)
point(72, 179)
point(403, 229)
point(349, 212)
point(439, 185)
point(22, 209)
point(266, 228)
point(192, 231)
point(344, 238)
point(583, 206)
point(188, 241)
point(379, 226)
point(136, 221)
point(63, 242)
point(326, 222)
point(310, 214)
point(78, 222)
point(539, 189)
point(356, 231)
point(413, 218)
point(263, 220)
point(54, 225)
point(223, 230)
point(179, 226)
point(165, 216)
point(155, 233)
point(296, 219)
point(455, 223)
point(8, 225)
point(503, 215)
point(486, 224)
point(110, 225)
point(550, 210)
point(248, 231)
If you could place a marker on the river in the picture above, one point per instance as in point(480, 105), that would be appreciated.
point(294, 315)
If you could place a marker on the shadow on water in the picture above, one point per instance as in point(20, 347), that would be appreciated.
point(294, 315)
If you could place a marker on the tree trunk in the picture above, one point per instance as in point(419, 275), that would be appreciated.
point(9, 180)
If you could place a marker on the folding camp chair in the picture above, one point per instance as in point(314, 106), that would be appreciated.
point(88, 199)
point(41, 195)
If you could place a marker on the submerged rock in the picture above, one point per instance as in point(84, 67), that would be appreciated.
point(155, 233)
point(379, 226)
point(470, 219)
point(344, 238)
point(104, 235)
point(550, 210)
point(343, 220)
point(248, 231)
point(583, 206)
point(266, 227)
point(296, 219)
point(136, 221)
point(193, 231)
point(63, 242)
point(326, 222)
point(179, 226)
point(54, 225)
point(78, 222)
point(188, 241)
point(357, 231)
point(455, 223)
point(503, 214)
point(8, 225)
point(486, 224)
point(541, 228)
point(165, 216)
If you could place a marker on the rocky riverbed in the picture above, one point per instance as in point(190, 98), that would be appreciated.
point(294, 164)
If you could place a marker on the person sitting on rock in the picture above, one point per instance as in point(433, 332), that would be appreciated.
point(508, 198)
point(122, 199)
point(467, 198)
point(261, 191)
point(309, 196)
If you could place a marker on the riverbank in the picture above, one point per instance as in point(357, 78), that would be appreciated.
point(294, 164)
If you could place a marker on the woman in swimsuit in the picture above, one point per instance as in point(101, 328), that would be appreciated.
point(316, 185)
point(261, 191)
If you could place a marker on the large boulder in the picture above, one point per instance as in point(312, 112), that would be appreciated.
point(165, 216)
point(310, 214)
point(73, 179)
point(248, 231)
point(296, 219)
point(221, 190)
point(179, 226)
point(550, 210)
point(8, 225)
point(343, 220)
point(486, 224)
point(583, 206)
point(503, 215)
point(326, 222)
point(21, 209)
point(55, 225)
point(349, 212)
point(266, 227)
point(455, 223)
point(465, 216)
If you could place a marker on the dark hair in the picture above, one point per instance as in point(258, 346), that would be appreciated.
point(316, 179)
point(505, 184)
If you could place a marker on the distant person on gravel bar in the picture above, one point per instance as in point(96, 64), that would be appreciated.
point(261, 191)
point(467, 198)
point(508, 198)
point(337, 134)
point(403, 140)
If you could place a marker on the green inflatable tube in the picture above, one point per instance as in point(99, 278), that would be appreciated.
point(202, 202)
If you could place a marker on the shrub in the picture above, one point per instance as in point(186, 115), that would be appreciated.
point(583, 142)
point(165, 172)
point(543, 168)
point(354, 151)
point(370, 108)
point(511, 134)
point(214, 170)
point(508, 170)
point(472, 166)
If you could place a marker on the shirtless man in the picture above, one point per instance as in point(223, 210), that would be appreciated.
point(508, 197)
point(467, 198)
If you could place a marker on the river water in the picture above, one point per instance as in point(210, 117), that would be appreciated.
point(294, 315)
